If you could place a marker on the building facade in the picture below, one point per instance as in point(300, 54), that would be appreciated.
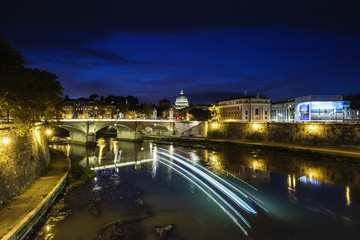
point(244, 109)
point(283, 111)
point(82, 109)
point(320, 108)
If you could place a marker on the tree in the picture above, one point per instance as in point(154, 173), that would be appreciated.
point(147, 109)
point(355, 102)
point(11, 67)
point(200, 115)
point(93, 97)
point(133, 102)
point(214, 114)
point(111, 100)
point(27, 95)
point(122, 105)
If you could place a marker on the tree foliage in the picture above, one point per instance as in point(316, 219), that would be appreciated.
point(132, 102)
point(26, 95)
point(147, 109)
point(355, 102)
point(200, 115)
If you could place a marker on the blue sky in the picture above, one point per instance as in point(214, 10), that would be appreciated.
point(278, 56)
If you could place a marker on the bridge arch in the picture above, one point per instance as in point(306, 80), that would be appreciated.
point(122, 131)
point(85, 130)
point(156, 129)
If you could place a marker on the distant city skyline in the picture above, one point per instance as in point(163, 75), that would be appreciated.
point(212, 50)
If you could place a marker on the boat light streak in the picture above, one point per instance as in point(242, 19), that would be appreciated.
point(247, 195)
point(184, 158)
point(241, 203)
point(161, 160)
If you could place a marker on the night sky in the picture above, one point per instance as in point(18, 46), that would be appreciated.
point(213, 50)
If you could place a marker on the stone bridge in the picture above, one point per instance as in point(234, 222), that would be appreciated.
point(84, 130)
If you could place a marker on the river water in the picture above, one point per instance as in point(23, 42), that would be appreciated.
point(213, 192)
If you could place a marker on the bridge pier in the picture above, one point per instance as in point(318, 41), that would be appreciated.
point(83, 138)
point(129, 135)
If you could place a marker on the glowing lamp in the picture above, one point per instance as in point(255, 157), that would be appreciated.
point(48, 132)
point(256, 126)
point(215, 125)
point(6, 141)
point(313, 128)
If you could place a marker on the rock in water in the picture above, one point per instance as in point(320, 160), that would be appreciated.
point(111, 231)
point(117, 232)
point(94, 205)
point(94, 210)
point(139, 202)
point(163, 232)
point(60, 216)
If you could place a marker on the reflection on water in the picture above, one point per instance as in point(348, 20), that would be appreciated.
point(253, 193)
point(348, 201)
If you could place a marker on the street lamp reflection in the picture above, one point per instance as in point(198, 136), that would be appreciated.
point(348, 200)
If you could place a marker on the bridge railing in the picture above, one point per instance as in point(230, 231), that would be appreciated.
point(112, 120)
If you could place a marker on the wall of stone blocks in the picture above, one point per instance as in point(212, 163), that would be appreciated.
point(322, 134)
point(22, 159)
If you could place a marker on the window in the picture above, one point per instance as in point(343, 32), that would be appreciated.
point(265, 113)
point(256, 111)
point(246, 112)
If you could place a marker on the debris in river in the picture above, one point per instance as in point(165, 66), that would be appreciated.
point(94, 205)
point(60, 216)
point(163, 232)
point(112, 231)
point(139, 202)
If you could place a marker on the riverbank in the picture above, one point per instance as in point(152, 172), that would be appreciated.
point(340, 151)
point(21, 213)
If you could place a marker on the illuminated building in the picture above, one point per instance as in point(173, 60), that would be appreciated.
point(245, 109)
point(283, 111)
point(83, 108)
point(320, 108)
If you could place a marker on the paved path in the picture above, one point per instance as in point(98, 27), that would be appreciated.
point(18, 210)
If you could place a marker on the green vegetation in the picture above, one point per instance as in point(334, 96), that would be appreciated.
point(79, 175)
point(27, 95)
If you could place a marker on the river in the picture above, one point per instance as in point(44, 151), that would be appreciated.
point(213, 192)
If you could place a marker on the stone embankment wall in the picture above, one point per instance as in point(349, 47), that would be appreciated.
point(325, 134)
point(22, 159)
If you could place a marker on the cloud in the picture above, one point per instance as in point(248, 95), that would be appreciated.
point(164, 15)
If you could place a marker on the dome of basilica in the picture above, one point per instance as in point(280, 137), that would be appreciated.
point(181, 101)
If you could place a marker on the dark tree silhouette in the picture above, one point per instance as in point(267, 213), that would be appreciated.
point(26, 95)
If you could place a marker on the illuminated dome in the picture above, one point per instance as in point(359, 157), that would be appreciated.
point(181, 101)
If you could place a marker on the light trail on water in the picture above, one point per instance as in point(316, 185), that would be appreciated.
point(238, 201)
point(243, 192)
point(208, 182)
point(161, 160)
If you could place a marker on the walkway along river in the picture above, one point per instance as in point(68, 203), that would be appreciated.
point(148, 191)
